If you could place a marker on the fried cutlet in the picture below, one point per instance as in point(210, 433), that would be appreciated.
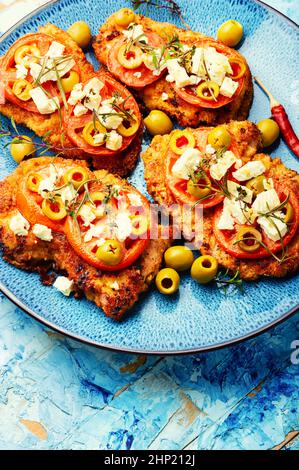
point(151, 95)
point(113, 292)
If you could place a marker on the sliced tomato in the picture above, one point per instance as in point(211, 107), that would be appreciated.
point(133, 248)
point(189, 95)
point(73, 125)
point(178, 186)
point(129, 76)
point(227, 238)
point(8, 76)
point(29, 202)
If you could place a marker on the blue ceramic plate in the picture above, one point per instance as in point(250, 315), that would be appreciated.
point(198, 318)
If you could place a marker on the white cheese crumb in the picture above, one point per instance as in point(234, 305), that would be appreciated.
point(239, 191)
point(114, 141)
point(64, 285)
point(274, 227)
point(250, 170)
point(124, 226)
point(44, 104)
point(135, 31)
point(228, 87)
point(19, 225)
point(187, 163)
point(79, 110)
point(87, 215)
point(137, 74)
point(21, 70)
point(42, 232)
point(77, 94)
point(178, 74)
point(219, 169)
point(210, 149)
point(164, 96)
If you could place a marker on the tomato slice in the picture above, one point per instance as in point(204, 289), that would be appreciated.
point(178, 186)
point(29, 202)
point(129, 76)
point(133, 248)
point(8, 75)
point(226, 238)
point(189, 95)
point(73, 125)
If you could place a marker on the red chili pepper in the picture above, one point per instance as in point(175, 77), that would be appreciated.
point(280, 116)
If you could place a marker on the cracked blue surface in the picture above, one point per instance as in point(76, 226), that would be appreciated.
point(56, 393)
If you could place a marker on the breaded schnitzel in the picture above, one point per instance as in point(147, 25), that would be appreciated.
point(114, 292)
point(161, 94)
point(223, 221)
point(56, 125)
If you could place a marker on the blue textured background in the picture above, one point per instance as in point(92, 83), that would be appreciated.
point(56, 393)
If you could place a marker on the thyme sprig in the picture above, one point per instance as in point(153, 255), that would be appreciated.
point(169, 5)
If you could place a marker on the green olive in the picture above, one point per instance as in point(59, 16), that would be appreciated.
point(124, 17)
point(199, 187)
point(158, 123)
point(219, 138)
point(204, 269)
point(256, 184)
point(69, 81)
point(167, 281)
point(230, 33)
point(270, 131)
point(249, 239)
point(22, 149)
point(110, 253)
point(80, 33)
point(179, 258)
point(289, 213)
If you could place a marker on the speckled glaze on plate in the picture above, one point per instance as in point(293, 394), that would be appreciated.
point(197, 318)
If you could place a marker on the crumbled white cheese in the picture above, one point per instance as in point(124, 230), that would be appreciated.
point(99, 138)
point(92, 92)
point(21, 70)
point(178, 74)
point(274, 227)
point(218, 170)
point(95, 231)
point(80, 110)
point(109, 117)
point(250, 170)
point(77, 94)
point(228, 87)
point(64, 285)
point(114, 141)
point(210, 150)
point(137, 74)
point(135, 31)
point(164, 96)
point(266, 201)
point(47, 68)
point(67, 194)
point(135, 199)
point(123, 226)
point(226, 220)
point(19, 225)
point(234, 211)
point(44, 104)
point(187, 163)
point(87, 214)
point(55, 50)
point(198, 67)
point(240, 192)
point(42, 232)
point(217, 65)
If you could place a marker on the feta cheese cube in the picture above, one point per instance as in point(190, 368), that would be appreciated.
point(44, 104)
point(55, 50)
point(210, 150)
point(178, 74)
point(92, 93)
point(67, 194)
point(265, 202)
point(187, 164)
point(114, 141)
point(250, 170)
point(164, 96)
point(228, 87)
point(109, 118)
point(217, 65)
point(124, 226)
point(240, 192)
point(87, 214)
point(19, 225)
point(226, 221)
point(198, 67)
point(21, 70)
point(274, 227)
point(77, 94)
point(64, 285)
point(135, 31)
point(99, 138)
point(42, 232)
point(137, 74)
point(80, 110)
point(218, 170)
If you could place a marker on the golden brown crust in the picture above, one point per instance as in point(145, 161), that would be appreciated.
point(185, 113)
point(121, 164)
point(248, 140)
point(115, 292)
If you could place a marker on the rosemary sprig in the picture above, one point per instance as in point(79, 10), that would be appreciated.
point(224, 280)
point(169, 5)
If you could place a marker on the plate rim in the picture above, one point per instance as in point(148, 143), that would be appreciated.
point(18, 303)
